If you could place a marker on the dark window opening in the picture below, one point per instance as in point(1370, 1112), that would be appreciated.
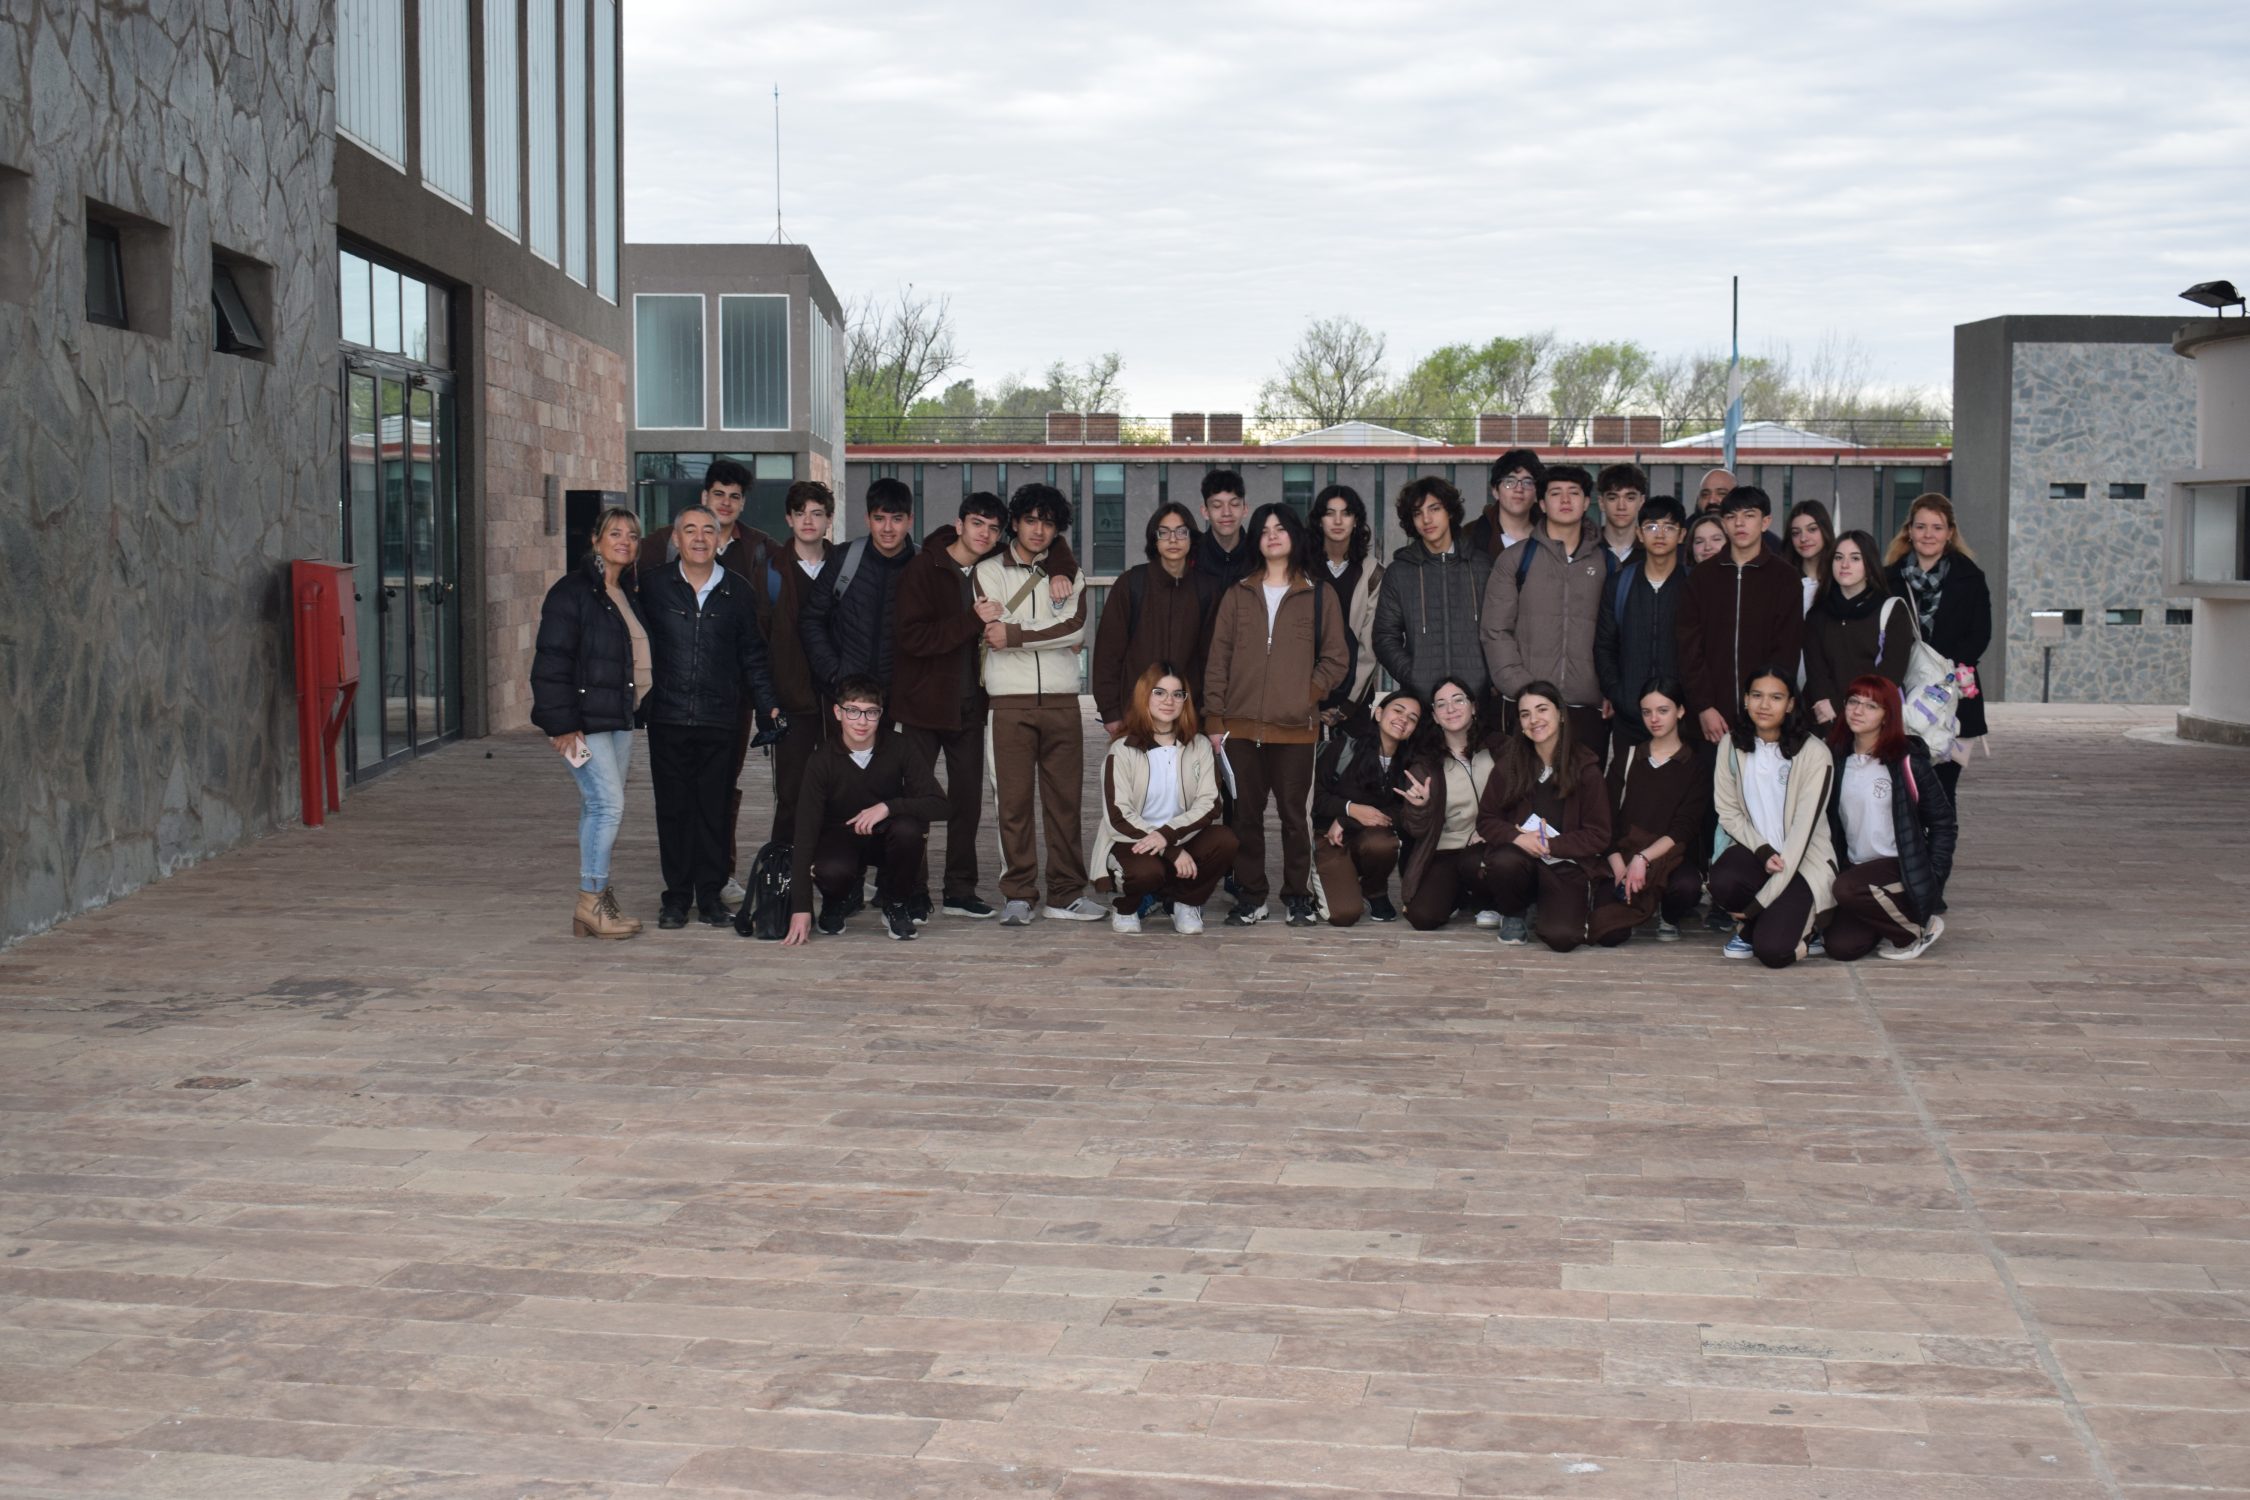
point(2128, 492)
point(2074, 617)
point(2066, 492)
point(105, 275)
point(234, 326)
point(2179, 617)
point(2121, 617)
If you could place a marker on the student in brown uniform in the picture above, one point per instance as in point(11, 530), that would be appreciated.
point(1161, 834)
point(1857, 627)
point(1545, 821)
point(1355, 811)
point(792, 567)
point(938, 695)
point(1343, 535)
point(1159, 610)
point(1659, 794)
point(1447, 770)
point(864, 801)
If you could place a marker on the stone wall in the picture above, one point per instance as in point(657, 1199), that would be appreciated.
point(152, 490)
point(554, 404)
point(2096, 414)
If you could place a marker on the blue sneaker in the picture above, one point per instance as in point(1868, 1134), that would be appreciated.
point(1737, 946)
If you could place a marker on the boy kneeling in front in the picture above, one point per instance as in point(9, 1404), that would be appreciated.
point(864, 801)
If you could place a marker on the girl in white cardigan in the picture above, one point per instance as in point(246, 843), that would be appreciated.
point(1779, 870)
point(1161, 833)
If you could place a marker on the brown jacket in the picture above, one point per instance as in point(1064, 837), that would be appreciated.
point(1734, 621)
point(1265, 687)
point(934, 655)
point(1173, 627)
point(792, 674)
point(1584, 824)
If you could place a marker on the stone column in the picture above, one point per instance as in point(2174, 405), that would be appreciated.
point(2219, 643)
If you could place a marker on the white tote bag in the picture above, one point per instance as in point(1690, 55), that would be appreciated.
point(1932, 691)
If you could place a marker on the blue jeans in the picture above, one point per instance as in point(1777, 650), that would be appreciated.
point(601, 805)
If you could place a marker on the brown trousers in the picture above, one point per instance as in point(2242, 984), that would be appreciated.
point(1141, 875)
point(841, 858)
point(1455, 878)
point(1285, 774)
point(1870, 910)
point(1354, 872)
point(963, 749)
point(1038, 754)
point(1564, 894)
point(1674, 885)
point(790, 757)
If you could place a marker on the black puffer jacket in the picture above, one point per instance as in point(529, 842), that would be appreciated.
point(1427, 614)
point(853, 634)
point(1921, 821)
point(1637, 640)
point(582, 665)
point(1350, 769)
point(707, 660)
point(1963, 627)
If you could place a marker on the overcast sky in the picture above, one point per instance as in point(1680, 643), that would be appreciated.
point(1188, 184)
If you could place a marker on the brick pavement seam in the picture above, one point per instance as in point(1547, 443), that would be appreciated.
point(2040, 1344)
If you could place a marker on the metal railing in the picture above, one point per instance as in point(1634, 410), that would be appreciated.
point(1563, 432)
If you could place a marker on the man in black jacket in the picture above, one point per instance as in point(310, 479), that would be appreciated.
point(865, 800)
point(847, 626)
point(709, 658)
point(1637, 638)
point(1223, 552)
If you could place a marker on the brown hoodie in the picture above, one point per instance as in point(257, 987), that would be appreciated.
point(1267, 687)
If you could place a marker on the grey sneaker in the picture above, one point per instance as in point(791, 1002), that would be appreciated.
point(1016, 914)
point(732, 892)
point(1666, 932)
point(1921, 945)
point(1081, 910)
point(1488, 919)
point(1125, 921)
point(1186, 918)
point(1514, 931)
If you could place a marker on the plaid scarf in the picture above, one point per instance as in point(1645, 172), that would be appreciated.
point(1924, 587)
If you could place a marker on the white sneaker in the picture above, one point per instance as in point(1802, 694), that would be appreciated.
point(1124, 921)
point(732, 892)
point(1488, 919)
point(1016, 914)
point(1081, 910)
point(1186, 918)
point(1666, 932)
point(1921, 945)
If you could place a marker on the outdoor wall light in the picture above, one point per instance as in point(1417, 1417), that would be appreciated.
point(2217, 295)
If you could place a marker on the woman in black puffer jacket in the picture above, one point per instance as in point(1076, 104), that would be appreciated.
point(589, 672)
point(1891, 822)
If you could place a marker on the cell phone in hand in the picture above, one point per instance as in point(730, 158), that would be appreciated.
point(576, 753)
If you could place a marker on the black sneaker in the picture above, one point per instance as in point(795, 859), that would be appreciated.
point(713, 913)
point(833, 911)
point(1716, 920)
point(918, 907)
point(1379, 909)
point(673, 916)
point(967, 906)
point(1302, 912)
point(898, 919)
point(1246, 915)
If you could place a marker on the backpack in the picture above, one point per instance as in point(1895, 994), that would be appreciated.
point(765, 907)
point(1530, 544)
point(1930, 698)
point(854, 551)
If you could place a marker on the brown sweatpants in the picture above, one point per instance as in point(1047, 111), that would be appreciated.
point(1354, 872)
point(1141, 875)
point(1285, 774)
point(963, 749)
point(1563, 893)
point(1674, 886)
point(1870, 910)
point(1454, 877)
point(790, 757)
point(1038, 753)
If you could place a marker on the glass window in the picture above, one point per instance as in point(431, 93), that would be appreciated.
point(234, 327)
point(605, 148)
point(1297, 488)
point(414, 318)
point(2218, 533)
point(2121, 617)
point(2066, 492)
point(503, 165)
point(825, 372)
point(754, 363)
point(540, 129)
point(574, 139)
point(105, 274)
point(2179, 617)
point(2128, 492)
point(2074, 617)
point(668, 360)
point(371, 75)
point(448, 150)
point(359, 306)
point(388, 335)
point(1109, 518)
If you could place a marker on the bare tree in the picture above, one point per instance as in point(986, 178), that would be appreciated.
point(1335, 373)
point(1093, 386)
point(894, 351)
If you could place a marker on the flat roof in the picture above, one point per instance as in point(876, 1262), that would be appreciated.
point(1232, 455)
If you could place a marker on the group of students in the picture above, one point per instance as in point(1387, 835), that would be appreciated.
point(1596, 715)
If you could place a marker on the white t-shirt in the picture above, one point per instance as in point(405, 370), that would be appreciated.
point(1274, 593)
point(860, 758)
point(1765, 792)
point(1865, 799)
point(1336, 569)
point(1163, 801)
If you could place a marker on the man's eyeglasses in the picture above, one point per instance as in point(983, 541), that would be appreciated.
point(861, 715)
point(1517, 482)
point(1660, 526)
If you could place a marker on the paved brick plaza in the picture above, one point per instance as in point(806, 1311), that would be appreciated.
point(490, 1212)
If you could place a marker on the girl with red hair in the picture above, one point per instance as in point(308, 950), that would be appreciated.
point(1892, 825)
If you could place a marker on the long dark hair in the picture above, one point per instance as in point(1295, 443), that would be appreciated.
point(1871, 553)
point(1362, 532)
point(1187, 519)
point(1796, 727)
point(1520, 765)
point(1428, 743)
point(1300, 540)
point(1820, 517)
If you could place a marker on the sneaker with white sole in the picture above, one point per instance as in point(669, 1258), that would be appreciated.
point(1124, 921)
point(1245, 915)
point(1514, 931)
point(967, 906)
point(1737, 946)
point(1081, 910)
point(1488, 919)
point(1816, 946)
point(732, 892)
point(1016, 914)
point(1186, 918)
point(1666, 932)
point(1921, 945)
point(898, 920)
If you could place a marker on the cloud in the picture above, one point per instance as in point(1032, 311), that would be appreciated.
point(1188, 183)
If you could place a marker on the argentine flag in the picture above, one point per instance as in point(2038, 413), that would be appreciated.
point(1734, 401)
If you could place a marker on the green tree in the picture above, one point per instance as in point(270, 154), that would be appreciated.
point(1461, 382)
point(1596, 379)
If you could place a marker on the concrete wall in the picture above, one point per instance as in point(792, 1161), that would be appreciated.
point(152, 490)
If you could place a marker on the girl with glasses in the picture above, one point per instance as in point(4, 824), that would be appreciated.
point(1158, 610)
point(1161, 834)
point(1447, 770)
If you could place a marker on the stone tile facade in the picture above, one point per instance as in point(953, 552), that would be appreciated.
point(152, 490)
point(2096, 414)
point(554, 404)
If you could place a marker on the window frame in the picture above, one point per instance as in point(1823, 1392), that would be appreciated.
point(103, 232)
point(788, 355)
point(703, 359)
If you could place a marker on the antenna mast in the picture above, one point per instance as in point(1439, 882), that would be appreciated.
point(779, 238)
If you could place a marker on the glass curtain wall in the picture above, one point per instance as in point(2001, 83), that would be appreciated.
point(574, 139)
point(503, 170)
point(668, 360)
point(448, 147)
point(371, 75)
point(605, 148)
point(542, 105)
point(754, 363)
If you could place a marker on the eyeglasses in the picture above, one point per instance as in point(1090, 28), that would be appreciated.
point(1867, 703)
point(1517, 482)
point(1168, 694)
point(1451, 703)
point(1173, 533)
point(861, 715)
point(1660, 526)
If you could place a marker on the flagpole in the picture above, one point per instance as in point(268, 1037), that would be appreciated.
point(1734, 379)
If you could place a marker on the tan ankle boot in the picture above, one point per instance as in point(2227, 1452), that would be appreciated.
point(616, 912)
point(592, 920)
